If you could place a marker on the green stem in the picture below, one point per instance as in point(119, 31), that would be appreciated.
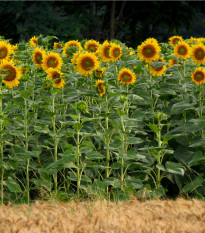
point(201, 105)
point(2, 154)
point(122, 152)
point(26, 147)
point(159, 154)
point(78, 159)
point(55, 143)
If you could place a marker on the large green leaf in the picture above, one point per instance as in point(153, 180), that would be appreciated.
point(174, 168)
point(12, 185)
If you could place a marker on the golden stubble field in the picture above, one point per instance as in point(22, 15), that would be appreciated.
point(180, 216)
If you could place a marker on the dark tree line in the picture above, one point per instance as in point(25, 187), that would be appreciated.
point(128, 21)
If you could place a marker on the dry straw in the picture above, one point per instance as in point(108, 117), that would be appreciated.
point(157, 216)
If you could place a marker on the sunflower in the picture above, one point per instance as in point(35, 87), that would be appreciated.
point(5, 50)
point(198, 54)
point(33, 41)
point(38, 55)
point(52, 60)
point(172, 62)
point(57, 45)
point(151, 40)
point(15, 47)
point(46, 85)
point(174, 40)
point(11, 74)
point(160, 70)
point(182, 50)
point(115, 52)
point(69, 44)
point(193, 40)
point(91, 45)
point(149, 50)
point(126, 76)
point(86, 63)
point(56, 77)
point(99, 72)
point(103, 51)
point(23, 70)
point(100, 87)
point(198, 76)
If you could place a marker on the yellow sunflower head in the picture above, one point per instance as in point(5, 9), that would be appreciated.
point(56, 77)
point(100, 87)
point(149, 50)
point(160, 70)
point(38, 55)
point(33, 41)
point(46, 85)
point(103, 51)
point(57, 45)
point(182, 50)
point(11, 74)
point(86, 63)
point(52, 60)
point(73, 43)
point(99, 72)
point(174, 40)
point(198, 54)
point(5, 50)
point(115, 52)
point(15, 47)
point(193, 40)
point(91, 45)
point(198, 76)
point(172, 62)
point(126, 76)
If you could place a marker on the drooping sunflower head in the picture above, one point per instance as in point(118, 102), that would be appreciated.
point(174, 40)
point(126, 76)
point(11, 74)
point(100, 87)
point(5, 50)
point(38, 55)
point(86, 63)
point(115, 52)
point(198, 54)
point(198, 76)
point(182, 50)
point(91, 45)
point(103, 51)
point(52, 60)
point(149, 50)
point(33, 41)
point(57, 45)
point(56, 77)
point(75, 44)
point(99, 72)
point(159, 71)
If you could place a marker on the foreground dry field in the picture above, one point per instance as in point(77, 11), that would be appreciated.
point(168, 216)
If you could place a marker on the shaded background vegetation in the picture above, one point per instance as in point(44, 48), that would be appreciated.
point(128, 21)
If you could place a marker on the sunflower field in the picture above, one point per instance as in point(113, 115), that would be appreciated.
point(89, 119)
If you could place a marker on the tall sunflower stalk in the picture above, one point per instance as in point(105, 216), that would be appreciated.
point(55, 177)
point(2, 145)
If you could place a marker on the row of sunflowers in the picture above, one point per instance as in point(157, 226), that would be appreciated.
point(87, 119)
point(86, 59)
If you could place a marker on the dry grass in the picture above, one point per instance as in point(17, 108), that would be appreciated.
point(168, 216)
